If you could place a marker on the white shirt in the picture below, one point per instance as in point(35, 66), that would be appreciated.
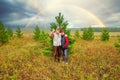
point(57, 39)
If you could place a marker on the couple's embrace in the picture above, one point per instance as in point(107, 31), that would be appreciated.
point(60, 43)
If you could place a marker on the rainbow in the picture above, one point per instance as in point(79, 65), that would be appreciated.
point(106, 8)
point(93, 16)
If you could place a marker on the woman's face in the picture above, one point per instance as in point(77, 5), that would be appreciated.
point(62, 33)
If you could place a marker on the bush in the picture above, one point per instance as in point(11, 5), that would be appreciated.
point(9, 32)
point(117, 44)
point(44, 38)
point(3, 34)
point(40, 36)
point(105, 35)
point(19, 33)
point(37, 33)
point(88, 34)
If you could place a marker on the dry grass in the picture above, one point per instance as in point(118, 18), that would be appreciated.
point(21, 59)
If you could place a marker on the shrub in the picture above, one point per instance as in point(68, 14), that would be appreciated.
point(3, 34)
point(105, 35)
point(117, 44)
point(19, 33)
point(37, 33)
point(88, 34)
point(9, 32)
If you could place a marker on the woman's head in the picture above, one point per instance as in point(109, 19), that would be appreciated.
point(62, 32)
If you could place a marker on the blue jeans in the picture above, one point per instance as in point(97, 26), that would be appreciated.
point(65, 54)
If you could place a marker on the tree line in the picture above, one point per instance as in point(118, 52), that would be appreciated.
point(99, 29)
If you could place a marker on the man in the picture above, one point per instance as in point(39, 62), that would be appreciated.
point(56, 43)
point(64, 44)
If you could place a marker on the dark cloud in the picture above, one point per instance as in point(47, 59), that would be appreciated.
point(14, 12)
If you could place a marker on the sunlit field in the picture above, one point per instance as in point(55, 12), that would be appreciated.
point(22, 59)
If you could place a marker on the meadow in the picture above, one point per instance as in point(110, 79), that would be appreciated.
point(22, 59)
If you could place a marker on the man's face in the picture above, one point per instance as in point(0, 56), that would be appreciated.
point(57, 31)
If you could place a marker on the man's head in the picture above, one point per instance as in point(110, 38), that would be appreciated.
point(62, 32)
point(57, 30)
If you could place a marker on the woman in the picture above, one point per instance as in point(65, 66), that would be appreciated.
point(64, 44)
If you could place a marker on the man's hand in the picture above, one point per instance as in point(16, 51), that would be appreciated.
point(52, 33)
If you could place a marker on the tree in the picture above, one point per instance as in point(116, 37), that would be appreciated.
point(62, 24)
point(9, 32)
point(3, 34)
point(76, 35)
point(117, 44)
point(91, 33)
point(105, 35)
point(37, 33)
point(44, 38)
point(19, 33)
point(88, 34)
point(85, 34)
point(119, 39)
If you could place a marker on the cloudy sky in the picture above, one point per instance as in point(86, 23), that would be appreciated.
point(79, 13)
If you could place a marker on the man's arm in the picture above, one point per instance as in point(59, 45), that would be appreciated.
point(52, 33)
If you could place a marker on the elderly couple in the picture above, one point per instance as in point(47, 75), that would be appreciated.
point(60, 43)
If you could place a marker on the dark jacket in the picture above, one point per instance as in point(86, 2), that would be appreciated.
point(64, 42)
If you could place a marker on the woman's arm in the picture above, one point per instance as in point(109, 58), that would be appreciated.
point(66, 41)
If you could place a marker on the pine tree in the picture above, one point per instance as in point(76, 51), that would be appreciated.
point(105, 35)
point(44, 38)
point(62, 24)
point(117, 44)
point(3, 34)
point(88, 34)
point(85, 34)
point(19, 33)
point(9, 32)
point(37, 33)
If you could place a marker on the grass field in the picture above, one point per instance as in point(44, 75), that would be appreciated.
point(22, 59)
